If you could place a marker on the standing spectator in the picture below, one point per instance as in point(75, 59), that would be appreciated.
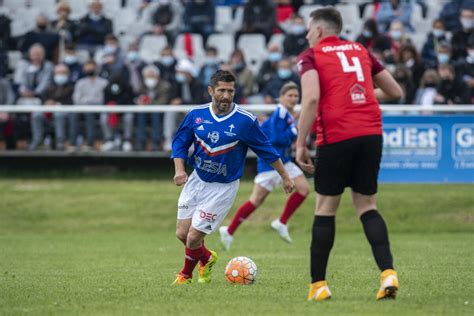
point(412, 61)
point(211, 65)
point(245, 77)
point(117, 92)
point(87, 91)
point(93, 28)
point(460, 38)
point(435, 38)
point(7, 120)
point(269, 65)
point(167, 64)
point(295, 39)
point(284, 74)
point(58, 93)
point(72, 62)
point(199, 17)
point(259, 17)
point(372, 39)
point(451, 90)
point(34, 76)
point(154, 91)
point(393, 10)
point(64, 25)
point(41, 35)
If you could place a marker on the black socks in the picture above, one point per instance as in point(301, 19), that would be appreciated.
point(377, 235)
point(323, 238)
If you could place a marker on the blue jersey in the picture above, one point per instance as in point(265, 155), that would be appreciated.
point(281, 131)
point(221, 143)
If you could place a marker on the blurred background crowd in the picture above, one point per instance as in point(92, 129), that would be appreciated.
point(126, 52)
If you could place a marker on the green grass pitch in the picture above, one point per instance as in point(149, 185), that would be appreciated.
point(107, 247)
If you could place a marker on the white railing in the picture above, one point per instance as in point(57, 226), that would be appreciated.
point(256, 108)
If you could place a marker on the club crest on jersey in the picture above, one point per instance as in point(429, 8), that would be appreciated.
point(198, 120)
point(229, 133)
point(358, 94)
point(213, 136)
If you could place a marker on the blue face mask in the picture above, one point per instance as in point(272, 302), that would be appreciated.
point(367, 33)
point(274, 57)
point(109, 49)
point(180, 77)
point(94, 17)
point(167, 60)
point(133, 55)
point(298, 29)
point(284, 73)
point(60, 79)
point(396, 34)
point(443, 58)
point(438, 32)
point(70, 59)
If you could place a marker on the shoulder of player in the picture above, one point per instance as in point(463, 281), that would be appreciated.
point(198, 109)
point(245, 115)
point(306, 54)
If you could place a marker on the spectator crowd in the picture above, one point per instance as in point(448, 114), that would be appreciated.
point(94, 60)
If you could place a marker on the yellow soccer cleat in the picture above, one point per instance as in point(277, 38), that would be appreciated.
point(206, 270)
point(319, 291)
point(181, 279)
point(388, 285)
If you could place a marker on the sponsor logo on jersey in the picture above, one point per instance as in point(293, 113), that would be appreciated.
point(229, 133)
point(341, 48)
point(207, 122)
point(200, 128)
point(183, 206)
point(198, 120)
point(208, 217)
point(213, 136)
point(211, 166)
point(358, 94)
point(402, 141)
point(463, 141)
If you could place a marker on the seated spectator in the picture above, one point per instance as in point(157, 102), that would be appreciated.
point(71, 60)
point(410, 57)
point(284, 11)
point(211, 65)
point(64, 26)
point(34, 76)
point(186, 90)
point(295, 39)
point(87, 91)
point(284, 74)
point(41, 35)
point(113, 60)
point(269, 66)
point(435, 37)
point(395, 10)
point(404, 78)
point(6, 119)
point(465, 69)
point(397, 39)
point(167, 64)
point(199, 17)
point(443, 54)
point(450, 14)
point(460, 38)
point(426, 93)
point(372, 39)
point(135, 65)
point(167, 18)
point(259, 17)
point(58, 93)
point(117, 92)
point(92, 28)
point(245, 77)
point(154, 91)
point(451, 90)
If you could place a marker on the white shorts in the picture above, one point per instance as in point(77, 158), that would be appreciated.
point(271, 179)
point(207, 203)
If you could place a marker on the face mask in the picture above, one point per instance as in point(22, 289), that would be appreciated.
point(298, 29)
point(284, 73)
point(151, 83)
point(471, 53)
point(466, 23)
point(41, 27)
point(89, 73)
point(167, 60)
point(443, 58)
point(133, 55)
point(396, 34)
point(163, 2)
point(210, 61)
point(109, 49)
point(180, 77)
point(33, 68)
point(410, 62)
point(438, 32)
point(70, 59)
point(274, 57)
point(60, 79)
point(238, 67)
point(115, 88)
point(94, 17)
point(367, 33)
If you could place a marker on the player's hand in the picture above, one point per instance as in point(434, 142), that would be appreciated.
point(180, 178)
point(288, 185)
point(303, 159)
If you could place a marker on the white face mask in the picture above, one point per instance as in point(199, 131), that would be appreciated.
point(470, 53)
point(151, 83)
point(466, 23)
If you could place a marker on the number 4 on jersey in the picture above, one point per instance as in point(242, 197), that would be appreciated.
point(356, 67)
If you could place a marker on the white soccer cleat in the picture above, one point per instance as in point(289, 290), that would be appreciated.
point(107, 146)
point(282, 230)
point(127, 146)
point(226, 238)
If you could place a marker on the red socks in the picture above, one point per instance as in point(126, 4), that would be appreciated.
point(191, 258)
point(293, 202)
point(206, 254)
point(242, 213)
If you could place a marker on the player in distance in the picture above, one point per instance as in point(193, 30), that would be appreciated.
point(281, 131)
point(221, 132)
point(337, 91)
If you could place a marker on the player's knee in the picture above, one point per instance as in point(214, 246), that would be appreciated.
point(181, 235)
point(256, 201)
point(304, 191)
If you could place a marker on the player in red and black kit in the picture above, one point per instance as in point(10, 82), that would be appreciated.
point(338, 79)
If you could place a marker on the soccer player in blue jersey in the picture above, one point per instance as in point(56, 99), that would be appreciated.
point(221, 133)
point(281, 131)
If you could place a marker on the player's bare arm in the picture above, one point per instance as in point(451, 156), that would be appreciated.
point(387, 88)
point(309, 108)
point(180, 175)
point(287, 182)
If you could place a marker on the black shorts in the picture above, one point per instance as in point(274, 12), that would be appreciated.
point(351, 163)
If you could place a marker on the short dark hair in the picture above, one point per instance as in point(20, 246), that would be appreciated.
point(221, 75)
point(329, 15)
